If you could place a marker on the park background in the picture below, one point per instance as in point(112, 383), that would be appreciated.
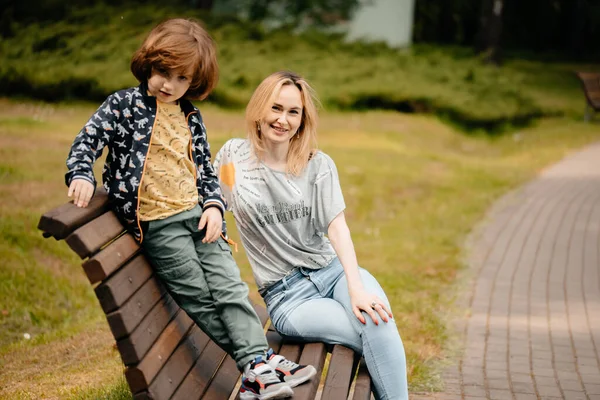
point(425, 136)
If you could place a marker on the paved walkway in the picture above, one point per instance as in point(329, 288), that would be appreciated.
point(534, 326)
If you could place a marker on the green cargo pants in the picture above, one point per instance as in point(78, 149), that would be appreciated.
point(205, 281)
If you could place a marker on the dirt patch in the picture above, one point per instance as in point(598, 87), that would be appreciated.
point(26, 140)
point(57, 266)
point(40, 111)
point(32, 195)
point(220, 123)
point(51, 371)
point(9, 140)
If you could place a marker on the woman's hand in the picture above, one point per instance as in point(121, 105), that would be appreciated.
point(363, 301)
point(213, 220)
point(82, 191)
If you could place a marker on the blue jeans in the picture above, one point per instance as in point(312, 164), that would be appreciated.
point(314, 305)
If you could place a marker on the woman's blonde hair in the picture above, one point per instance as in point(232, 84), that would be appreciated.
point(179, 44)
point(304, 142)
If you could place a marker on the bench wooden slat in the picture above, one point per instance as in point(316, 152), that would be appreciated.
point(274, 340)
point(140, 376)
point(142, 396)
point(313, 354)
point(89, 238)
point(111, 258)
point(362, 389)
point(124, 320)
point(133, 347)
point(114, 292)
point(591, 87)
point(223, 382)
point(197, 380)
point(61, 221)
point(592, 78)
point(291, 351)
point(179, 364)
point(339, 375)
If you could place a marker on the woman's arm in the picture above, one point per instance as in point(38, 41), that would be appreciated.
point(339, 235)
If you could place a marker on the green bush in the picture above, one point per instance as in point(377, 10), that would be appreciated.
point(86, 56)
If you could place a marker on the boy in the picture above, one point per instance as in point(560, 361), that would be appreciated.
point(161, 184)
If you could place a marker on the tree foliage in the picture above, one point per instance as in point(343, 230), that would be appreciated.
point(320, 12)
point(313, 12)
point(570, 27)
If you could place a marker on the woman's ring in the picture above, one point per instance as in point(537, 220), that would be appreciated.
point(373, 304)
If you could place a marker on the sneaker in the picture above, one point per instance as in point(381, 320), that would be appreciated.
point(288, 371)
point(261, 382)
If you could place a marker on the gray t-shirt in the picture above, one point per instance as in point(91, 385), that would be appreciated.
point(281, 218)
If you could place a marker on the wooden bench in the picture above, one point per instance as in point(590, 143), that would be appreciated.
point(591, 87)
point(166, 355)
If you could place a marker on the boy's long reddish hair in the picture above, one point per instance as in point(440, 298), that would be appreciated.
point(179, 44)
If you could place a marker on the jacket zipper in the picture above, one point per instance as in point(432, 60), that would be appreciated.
point(137, 207)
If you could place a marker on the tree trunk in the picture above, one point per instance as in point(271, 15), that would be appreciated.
point(259, 10)
point(490, 33)
point(446, 23)
point(202, 4)
point(205, 4)
point(578, 25)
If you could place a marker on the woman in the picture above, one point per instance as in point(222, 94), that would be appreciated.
point(286, 196)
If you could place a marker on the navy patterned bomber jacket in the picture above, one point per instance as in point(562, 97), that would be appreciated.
point(124, 123)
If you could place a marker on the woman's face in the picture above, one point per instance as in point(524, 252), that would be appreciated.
point(284, 117)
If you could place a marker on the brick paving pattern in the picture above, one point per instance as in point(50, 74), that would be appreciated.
point(534, 326)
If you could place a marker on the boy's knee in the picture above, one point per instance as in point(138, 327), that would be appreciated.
point(231, 292)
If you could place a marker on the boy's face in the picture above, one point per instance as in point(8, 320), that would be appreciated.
point(168, 86)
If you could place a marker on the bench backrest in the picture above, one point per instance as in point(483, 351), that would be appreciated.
point(167, 356)
point(591, 88)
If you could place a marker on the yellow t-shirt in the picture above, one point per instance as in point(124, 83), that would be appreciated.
point(168, 185)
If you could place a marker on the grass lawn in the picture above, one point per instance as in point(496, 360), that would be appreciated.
point(414, 188)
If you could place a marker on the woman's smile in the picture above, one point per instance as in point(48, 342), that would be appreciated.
point(280, 130)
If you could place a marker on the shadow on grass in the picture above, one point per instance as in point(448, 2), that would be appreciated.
point(463, 122)
point(79, 88)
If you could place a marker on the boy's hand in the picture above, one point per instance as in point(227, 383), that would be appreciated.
point(81, 190)
point(212, 219)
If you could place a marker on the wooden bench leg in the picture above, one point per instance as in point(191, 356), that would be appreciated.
point(588, 113)
point(340, 374)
